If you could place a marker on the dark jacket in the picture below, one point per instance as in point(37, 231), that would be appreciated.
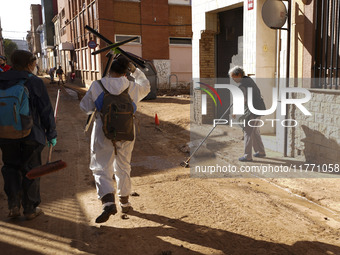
point(40, 105)
point(59, 71)
point(247, 82)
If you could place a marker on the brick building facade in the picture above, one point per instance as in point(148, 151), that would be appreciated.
point(156, 23)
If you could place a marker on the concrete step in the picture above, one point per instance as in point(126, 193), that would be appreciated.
point(271, 142)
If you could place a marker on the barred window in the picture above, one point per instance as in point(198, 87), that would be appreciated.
point(327, 32)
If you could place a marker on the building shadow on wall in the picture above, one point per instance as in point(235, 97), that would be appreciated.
point(319, 149)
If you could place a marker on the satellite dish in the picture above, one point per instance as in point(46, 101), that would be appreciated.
point(274, 13)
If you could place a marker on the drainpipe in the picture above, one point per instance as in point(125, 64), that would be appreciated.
point(287, 73)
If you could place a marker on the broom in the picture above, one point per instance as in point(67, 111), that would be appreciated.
point(49, 167)
point(186, 163)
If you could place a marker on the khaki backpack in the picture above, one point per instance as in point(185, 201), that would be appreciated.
point(117, 116)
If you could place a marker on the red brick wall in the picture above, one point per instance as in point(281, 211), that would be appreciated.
point(207, 54)
point(155, 39)
point(207, 69)
point(148, 18)
point(180, 15)
point(112, 15)
point(105, 23)
point(119, 13)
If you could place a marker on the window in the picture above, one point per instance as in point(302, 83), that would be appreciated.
point(63, 13)
point(88, 58)
point(81, 23)
point(94, 11)
point(93, 61)
point(326, 55)
point(84, 66)
point(175, 40)
point(85, 18)
point(74, 8)
point(120, 38)
point(90, 16)
point(63, 31)
point(78, 24)
point(180, 2)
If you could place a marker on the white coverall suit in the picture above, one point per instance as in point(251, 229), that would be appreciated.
point(104, 162)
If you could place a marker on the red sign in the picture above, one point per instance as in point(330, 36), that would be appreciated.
point(250, 5)
point(92, 44)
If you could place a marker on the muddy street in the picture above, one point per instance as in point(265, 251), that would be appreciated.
point(173, 212)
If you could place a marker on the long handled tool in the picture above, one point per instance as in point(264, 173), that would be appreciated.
point(92, 115)
point(115, 47)
point(186, 163)
point(49, 167)
point(138, 61)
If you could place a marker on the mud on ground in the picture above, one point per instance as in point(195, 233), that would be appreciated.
point(173, 213)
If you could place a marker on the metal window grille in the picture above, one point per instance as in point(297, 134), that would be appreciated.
point(327, 32)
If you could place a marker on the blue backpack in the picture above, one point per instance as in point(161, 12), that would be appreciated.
point(15, 119)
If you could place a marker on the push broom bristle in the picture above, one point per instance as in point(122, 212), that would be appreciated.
point(184, 164)
point(46, 169)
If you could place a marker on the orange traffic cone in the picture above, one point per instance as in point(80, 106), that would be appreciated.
point(156, 120)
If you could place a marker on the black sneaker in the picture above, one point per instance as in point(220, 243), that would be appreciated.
point(107, 212)
point(126, 209)
point(14, 213)
point(36, 213)
point(259, 155)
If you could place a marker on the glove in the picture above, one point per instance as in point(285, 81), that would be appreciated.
point(53, 142)
point(132, 67)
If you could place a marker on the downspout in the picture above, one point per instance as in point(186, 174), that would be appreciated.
point(287, 74)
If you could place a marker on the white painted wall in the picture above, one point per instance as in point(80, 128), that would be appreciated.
point(199, 10)
point(265, 61)
point(259, 43)
point(249, 40)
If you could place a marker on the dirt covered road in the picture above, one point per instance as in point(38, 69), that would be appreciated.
point(173, 212)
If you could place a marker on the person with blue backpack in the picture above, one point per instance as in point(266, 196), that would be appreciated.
point(26, 121)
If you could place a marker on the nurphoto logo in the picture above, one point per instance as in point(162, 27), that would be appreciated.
point(238, 107)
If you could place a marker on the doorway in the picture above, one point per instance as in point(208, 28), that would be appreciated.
point(229, 50)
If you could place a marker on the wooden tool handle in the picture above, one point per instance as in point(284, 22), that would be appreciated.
point(49, 153)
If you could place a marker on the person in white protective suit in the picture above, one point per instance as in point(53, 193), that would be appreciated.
point(103, 161)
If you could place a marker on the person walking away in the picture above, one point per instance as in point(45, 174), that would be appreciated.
point(21, 151)
point(60, 73)
point(252, 137)
point(3, 64)
point(38, 70)
point(51, 73)
point(104, 162)
point(73, 74)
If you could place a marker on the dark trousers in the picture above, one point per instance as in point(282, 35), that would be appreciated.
point(18, 159)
